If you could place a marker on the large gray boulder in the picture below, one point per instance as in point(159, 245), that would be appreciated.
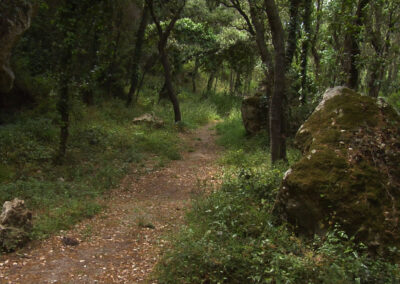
point(15, 18)
point(15, 225)
point(349, 173)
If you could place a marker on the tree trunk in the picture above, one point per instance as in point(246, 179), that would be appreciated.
point(114, 56)
point(353, 48)
point(194, 75)
point(238, 83)
point(168, 83)
point(163, 94)
point(137, 54)
point(210, 82)
point(216, 84)
point(314, 50)
point(305, 48)
point(163, 40)
point(277, 125)
point(88, 93)
point(139, 86)
point(63, 109)
point(151, 61)
point(381, 46)
point(293, 31)
point(231, 82)
point(265, 55)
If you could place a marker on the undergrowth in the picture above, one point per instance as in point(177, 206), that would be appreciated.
point(103, 146)
point(231, 236)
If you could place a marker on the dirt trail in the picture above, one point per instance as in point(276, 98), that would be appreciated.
point(122, 244)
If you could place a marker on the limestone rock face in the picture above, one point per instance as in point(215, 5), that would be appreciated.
point(254, 114)
point(15, 18)
point(15, 225)
point(349, 173)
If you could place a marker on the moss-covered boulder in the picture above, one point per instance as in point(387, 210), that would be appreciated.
point(349, 173)
point(255, 114)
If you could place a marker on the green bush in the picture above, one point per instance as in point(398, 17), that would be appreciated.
point(224, 102)
point(231, 237)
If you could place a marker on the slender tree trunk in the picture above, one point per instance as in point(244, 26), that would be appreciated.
point(163, 94)
point(139, 87)
point(314, 50)
point(352, 46)
point(210, 81)
point(137, 54)
point(293, 31)
point(305, 48)
point(376, 75)
point(64, 80)
point(266, 56)
point(277, 122)
point(114, 56)
point(381, 46)
point(151, 61)
point(194, 75)
point(216, 83)
point(238, 83)
point(248, 82)
point(163, 40)
point(88, 93)
point(231, 81)
point(63, 108)
point(168, 82)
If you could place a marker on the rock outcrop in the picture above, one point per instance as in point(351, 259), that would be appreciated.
point(254, 114)
point(150, 119)
point(15, 18)
point(15, 225)
point(349, 173)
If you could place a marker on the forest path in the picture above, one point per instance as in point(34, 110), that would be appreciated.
point(123, 244)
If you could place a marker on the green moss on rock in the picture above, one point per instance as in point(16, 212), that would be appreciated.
point(349, 173)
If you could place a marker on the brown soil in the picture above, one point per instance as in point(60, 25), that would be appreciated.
point(123, 244)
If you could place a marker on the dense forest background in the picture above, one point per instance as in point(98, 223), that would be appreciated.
point(85, 69)
point(114, 49)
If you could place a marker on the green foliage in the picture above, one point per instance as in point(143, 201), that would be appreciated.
point(195, 111)
point(242, 151)
point(224, 102)
point(231, 237)
point(104, 144)
point(394, 100)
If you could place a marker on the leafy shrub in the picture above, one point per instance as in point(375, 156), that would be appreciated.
point(224, 102)
point(93, 135)
point(27, 141)
point(394, 100)
point(231, 237)
point(231, 131)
